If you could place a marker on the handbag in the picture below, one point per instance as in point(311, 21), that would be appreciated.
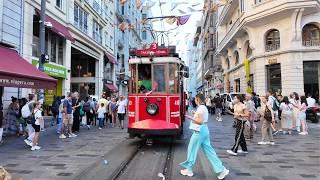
point(267, 114)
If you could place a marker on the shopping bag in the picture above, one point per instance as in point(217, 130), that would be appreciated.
point(84, 120)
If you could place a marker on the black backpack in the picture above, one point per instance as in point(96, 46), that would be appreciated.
point(55, 108)
point(86, 107)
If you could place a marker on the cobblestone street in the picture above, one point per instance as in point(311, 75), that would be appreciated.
point(293, 157)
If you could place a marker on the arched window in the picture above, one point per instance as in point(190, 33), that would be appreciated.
point(272, 40)
point(310, 35)
point(228, 63)
point(236, 56)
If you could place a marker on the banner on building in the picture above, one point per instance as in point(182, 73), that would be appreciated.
point(247, 73)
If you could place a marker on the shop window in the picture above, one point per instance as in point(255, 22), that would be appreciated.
point(56, 46)
point(236, 56)
point(311, 35)
point(272, 40)
point(311, 78)
point(84, 89)
point(274, 78)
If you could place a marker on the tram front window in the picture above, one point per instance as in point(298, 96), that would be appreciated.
point(159, 77)
point(144, 81)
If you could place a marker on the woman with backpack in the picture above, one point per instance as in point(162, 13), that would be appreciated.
point(286, 115)
point(89, 112)
point(267, 118)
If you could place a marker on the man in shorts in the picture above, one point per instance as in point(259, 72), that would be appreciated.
point(67, 117)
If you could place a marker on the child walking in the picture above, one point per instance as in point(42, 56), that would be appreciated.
point(101, 115)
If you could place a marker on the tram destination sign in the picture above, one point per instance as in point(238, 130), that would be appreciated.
point(153, 50)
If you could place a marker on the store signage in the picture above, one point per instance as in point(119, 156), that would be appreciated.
point(52, 69)
point(154, 50)
point(16, 82)
point(273, 61)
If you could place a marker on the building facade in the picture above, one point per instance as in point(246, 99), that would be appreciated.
point(270, 44)
point(11, 32)
point(212, 67)
point(130, 37)
point(80, 44)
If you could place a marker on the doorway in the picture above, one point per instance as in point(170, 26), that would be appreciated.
point(274, 78)
point(311, 73)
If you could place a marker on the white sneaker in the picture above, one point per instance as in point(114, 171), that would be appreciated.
point(72, 135)
point(243, 152)
point(62, 136)
point(231, 152)
point(186, 172)
point(303, 133)
point(220, 120)
point(37, 147)
point(100, 128)
point(263, 143)
point(224, 173)
point(88, 127)
point(28, 142)
point(271, 143)
point(33, 148)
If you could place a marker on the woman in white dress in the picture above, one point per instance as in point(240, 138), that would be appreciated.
point(295, 101)
point(286, 115)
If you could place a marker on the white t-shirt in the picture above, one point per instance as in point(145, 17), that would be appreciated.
point(311, 102)
point(202, 109)
point(38, 116)
point(122, 106)
point(101, 111)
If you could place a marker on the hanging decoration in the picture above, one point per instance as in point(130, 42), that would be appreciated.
point(171, 20)
point(183, 20)
point(123, 1)
point(138, 4)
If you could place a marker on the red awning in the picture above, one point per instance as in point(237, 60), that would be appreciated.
point(112, 87)
point(110, 58)
point(17, 72)
point(58, 27)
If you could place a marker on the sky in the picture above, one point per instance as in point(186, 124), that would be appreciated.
point(183, 33)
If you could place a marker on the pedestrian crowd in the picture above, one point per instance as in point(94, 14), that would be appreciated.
point(69, 113)
point(277, 114)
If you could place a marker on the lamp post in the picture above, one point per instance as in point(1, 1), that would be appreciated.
point(42, 35)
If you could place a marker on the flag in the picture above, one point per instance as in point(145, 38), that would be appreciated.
point(182, 12)
point(183, 19)
point(191, 9)
point(171, 20)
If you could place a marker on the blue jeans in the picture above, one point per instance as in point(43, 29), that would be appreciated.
point(59, 125)
point(202, 139)
point(101, 120)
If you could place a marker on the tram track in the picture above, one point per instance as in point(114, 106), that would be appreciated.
point(156, 161)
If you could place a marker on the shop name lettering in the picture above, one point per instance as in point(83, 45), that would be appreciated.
point(13, 81)
point(53, 70)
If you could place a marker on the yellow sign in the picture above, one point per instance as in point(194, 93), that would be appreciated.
point(247, 71)
point(273, 61)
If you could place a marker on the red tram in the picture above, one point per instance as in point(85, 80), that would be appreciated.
point(156, 103)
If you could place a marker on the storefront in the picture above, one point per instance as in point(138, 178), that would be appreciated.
point(16, 72)
point(59, 73)
point(110, 62)
point(311, 77)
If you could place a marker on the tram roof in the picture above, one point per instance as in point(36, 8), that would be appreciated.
point(155, 60)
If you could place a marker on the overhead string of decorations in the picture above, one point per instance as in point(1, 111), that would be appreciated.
point(171, 20)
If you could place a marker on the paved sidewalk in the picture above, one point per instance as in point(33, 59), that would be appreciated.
point(59, 158)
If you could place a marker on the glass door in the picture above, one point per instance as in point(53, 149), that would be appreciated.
point(274, 78)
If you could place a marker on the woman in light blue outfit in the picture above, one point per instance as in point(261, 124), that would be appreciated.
point(201, 138)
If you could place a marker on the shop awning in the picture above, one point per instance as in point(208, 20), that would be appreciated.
point(112, 87)
point(110, 58)
point(58, 27)
point(17, 72)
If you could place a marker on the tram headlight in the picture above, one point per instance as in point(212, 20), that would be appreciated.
point(152, 109)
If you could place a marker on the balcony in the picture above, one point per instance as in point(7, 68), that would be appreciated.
point(230, 34)
point(272, 47)
point(227, 11)
point(311, 43)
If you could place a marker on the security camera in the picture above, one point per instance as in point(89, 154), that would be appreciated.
point(48, 24)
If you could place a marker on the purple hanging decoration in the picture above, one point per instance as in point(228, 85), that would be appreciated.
point(183, 20)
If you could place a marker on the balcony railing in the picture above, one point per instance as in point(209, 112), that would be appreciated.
point(310, 43)
point(272, 47)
